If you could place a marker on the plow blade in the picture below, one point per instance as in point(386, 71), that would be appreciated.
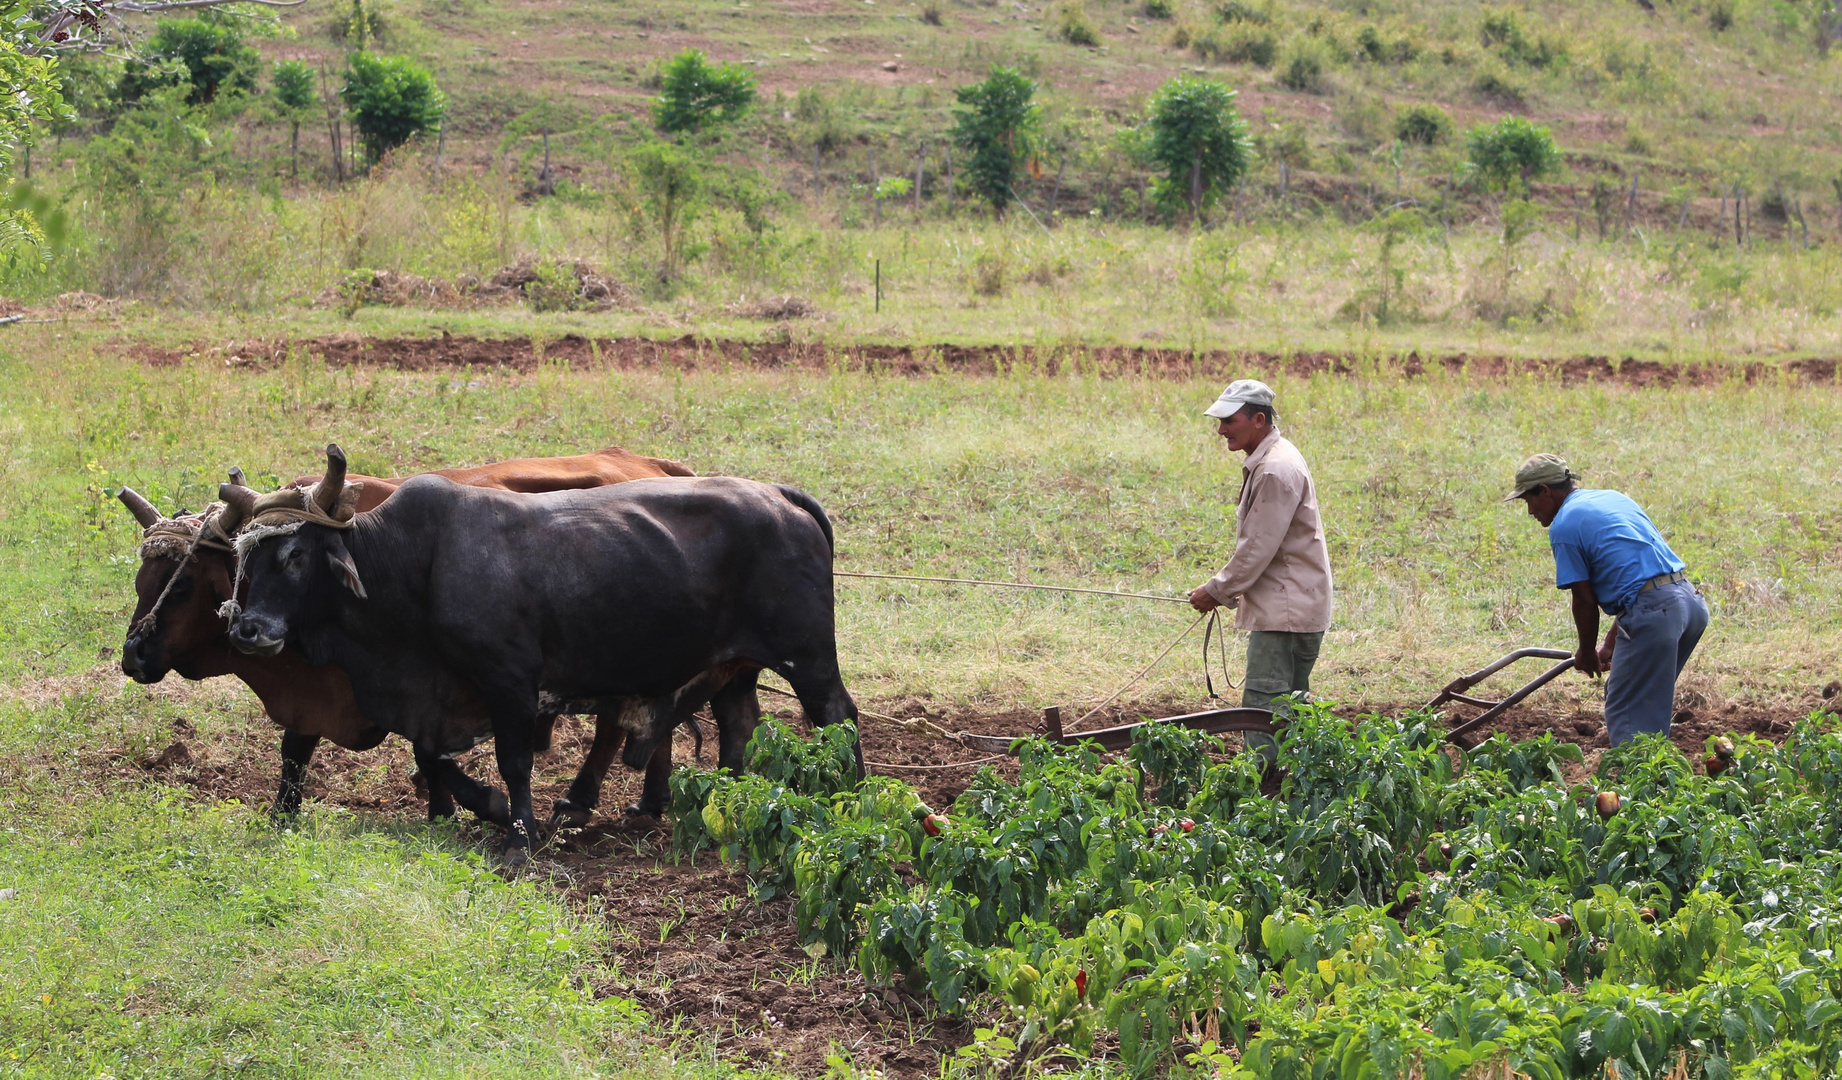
point(1215, 722)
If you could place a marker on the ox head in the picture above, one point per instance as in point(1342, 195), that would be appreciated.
point(185, 630)
point(291, 562)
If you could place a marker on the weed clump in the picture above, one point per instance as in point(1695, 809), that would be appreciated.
point(1158, 9)
point(1303, 67)
point(1423, 124)
point(1239, 11)
point(988, 275)
point(1498, 89)
point(1073, 26)
point(1242, 43)
point(1371, 47)
point(931, 14)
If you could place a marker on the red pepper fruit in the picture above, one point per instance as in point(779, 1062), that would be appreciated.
point(1081, 983)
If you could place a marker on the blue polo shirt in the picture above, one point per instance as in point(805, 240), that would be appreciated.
point(1604, 538)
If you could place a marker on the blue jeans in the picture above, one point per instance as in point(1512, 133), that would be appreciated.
point(1655, 637)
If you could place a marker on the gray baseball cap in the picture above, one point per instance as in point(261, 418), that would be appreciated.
point(1539, 471)
point(1240, 392)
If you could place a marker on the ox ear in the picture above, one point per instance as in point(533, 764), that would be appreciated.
point(138, 505)
point(326, 493)
point(341, 560)
point(239, 504)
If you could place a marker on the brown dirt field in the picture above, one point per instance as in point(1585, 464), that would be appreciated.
point(691, 353)
point(689, 943)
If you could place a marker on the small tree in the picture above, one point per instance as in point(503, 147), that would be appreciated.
point(30, 94)
point(205, 52)
point(1511, 152)
point(695, 95)
point(996, 124)
point(294, 96)
point(392, 99)
point(670, 185)
point(1199, 139)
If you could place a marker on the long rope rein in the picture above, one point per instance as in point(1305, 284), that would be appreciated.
point(1011, 585)
point(1213, 629)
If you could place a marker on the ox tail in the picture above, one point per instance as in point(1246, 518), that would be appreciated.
point(811, 506)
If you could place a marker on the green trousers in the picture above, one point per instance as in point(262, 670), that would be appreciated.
point(1278, 663)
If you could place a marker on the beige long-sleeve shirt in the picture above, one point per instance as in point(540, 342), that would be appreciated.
point(1279, 575)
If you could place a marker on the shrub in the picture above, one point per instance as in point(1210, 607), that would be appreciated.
point(931, 13)
point(1303, 67)
point(1498, 89)
point(1243, 44)
point(1072, 25)
point(1369, 44)
point(205, 54)
point(695, 94)
point(1233, 11)
point(1502, 32)
point(1158, 9)
point(1512, 151)
point(1425, 124)
point(1720, 15)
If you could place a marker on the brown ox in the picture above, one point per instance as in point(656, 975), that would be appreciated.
point(185, 633)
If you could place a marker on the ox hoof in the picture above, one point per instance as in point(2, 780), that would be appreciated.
point(642, 810)
point(567, 815)
point(514, 857)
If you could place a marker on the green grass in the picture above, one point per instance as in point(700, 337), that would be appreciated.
point(1049, 478)
point(151, 934)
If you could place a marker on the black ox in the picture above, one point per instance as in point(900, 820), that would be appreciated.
point(642, 600)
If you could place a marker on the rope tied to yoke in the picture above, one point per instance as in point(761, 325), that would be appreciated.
point(281, 513)
point(178, 537)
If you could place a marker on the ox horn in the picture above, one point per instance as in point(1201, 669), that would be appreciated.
point(239, 504)
point(326, 492)
point(237, 479)
point(137, 505)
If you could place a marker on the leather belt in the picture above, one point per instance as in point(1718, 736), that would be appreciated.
point(1663, 579)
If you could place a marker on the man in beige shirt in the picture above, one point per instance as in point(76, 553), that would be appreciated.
point(1278, 579)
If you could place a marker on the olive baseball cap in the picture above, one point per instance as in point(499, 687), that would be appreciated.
point(1240, 392)
point(1539, 471)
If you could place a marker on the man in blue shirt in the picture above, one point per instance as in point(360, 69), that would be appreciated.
point(1607, 551)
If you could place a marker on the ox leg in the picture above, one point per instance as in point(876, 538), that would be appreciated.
point(737, 710)
point(656, 792)
point(821, 692)
point(296, 752)
point(511, 731)
point(446, 776)
point(575, 809)
point(544, 733)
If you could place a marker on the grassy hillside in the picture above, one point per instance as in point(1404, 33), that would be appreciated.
point(1670, 97)
point(1663, 117)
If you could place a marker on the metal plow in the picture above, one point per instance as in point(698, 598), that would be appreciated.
point(1222, 721)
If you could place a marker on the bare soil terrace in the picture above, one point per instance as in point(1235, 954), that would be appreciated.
point(691, 942)
point(691, 352)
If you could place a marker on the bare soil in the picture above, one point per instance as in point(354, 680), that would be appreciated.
point(688, 940)
point(691, 352)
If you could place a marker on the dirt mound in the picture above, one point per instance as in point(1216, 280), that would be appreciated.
point(546, 286)
point(691, 352)
point(776, 309)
